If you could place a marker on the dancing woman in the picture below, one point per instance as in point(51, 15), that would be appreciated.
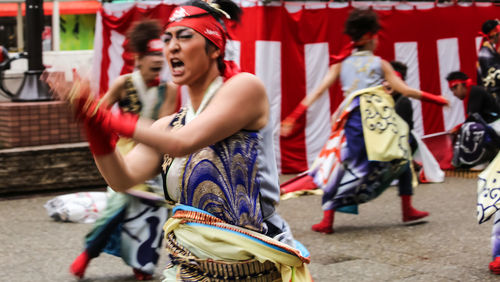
point(215, 155)
point(368, 146)
point(131, 225)
point(488, 58)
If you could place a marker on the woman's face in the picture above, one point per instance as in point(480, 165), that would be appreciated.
point(185, 51)
point(150, 66)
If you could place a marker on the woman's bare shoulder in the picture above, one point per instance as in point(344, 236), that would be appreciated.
point(246, 82)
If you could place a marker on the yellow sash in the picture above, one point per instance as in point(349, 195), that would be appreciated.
point(220, 243)
point(385, 132)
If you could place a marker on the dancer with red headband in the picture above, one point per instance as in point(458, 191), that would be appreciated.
point(368, 146)
point(482, 122)
point(216, 157)
point(488, 61)
point(131, 225)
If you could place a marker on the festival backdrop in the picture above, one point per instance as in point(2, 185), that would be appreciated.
point(288, 48)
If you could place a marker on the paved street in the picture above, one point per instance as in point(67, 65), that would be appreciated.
point(372, 246)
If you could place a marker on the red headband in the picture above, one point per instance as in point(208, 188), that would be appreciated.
point(454, 82)
point(398, 74)
point(486, 37)
point(347, 49)
point(205, 24)
point(155, 45)
point(196, 18)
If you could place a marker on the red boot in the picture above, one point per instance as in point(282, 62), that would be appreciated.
point(409, 212)
point(142, 276)
point(326, 224)
point(495, 266)
point(79, 265)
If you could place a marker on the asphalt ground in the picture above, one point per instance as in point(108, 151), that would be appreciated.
point(372, 246)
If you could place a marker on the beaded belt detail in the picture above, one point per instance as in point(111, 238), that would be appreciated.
point(195, 269)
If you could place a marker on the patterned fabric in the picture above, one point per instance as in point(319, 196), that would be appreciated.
point(131, 103)
point(488, 191)
point(473, 145)
point(386, 130)
point(130, 228)
point(488, 70)
point(222, 178)
point(131, 225)
point(203, 247)
point(343, 169)
point(194, 269)
point(139, 99)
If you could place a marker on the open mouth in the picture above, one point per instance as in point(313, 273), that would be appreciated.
point(155, 69)
point(177, 67)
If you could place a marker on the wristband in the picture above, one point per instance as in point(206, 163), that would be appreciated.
point(435, 99)
point(296, 114)
point(100, 142)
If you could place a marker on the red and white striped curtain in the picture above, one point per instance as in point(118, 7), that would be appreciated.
point(289, 52)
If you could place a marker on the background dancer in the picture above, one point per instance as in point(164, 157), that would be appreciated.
point(348, 169)
point(216, 157)
point(488, 60)
point(482, 122)
point(131, 226)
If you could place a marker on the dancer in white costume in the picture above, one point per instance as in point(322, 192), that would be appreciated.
point(131, 225)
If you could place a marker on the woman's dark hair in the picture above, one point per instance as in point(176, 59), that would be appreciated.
point(488, 26)
point(359, 22)
point(400, 67)
point(228, 6)
point(456, 75)
point(141, 33)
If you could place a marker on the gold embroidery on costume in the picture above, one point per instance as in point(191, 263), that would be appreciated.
point(131, 103)
point(176, 123)
point(491, 78)
point(222, 179)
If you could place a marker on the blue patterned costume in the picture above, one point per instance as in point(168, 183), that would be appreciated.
point(234, 179)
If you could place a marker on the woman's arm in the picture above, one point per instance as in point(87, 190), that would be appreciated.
point(397, 83)
point(401, 87)
point(140, 164)
point(331, 76)
point(241, 103)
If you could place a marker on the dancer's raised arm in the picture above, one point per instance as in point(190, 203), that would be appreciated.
point(400, 86)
